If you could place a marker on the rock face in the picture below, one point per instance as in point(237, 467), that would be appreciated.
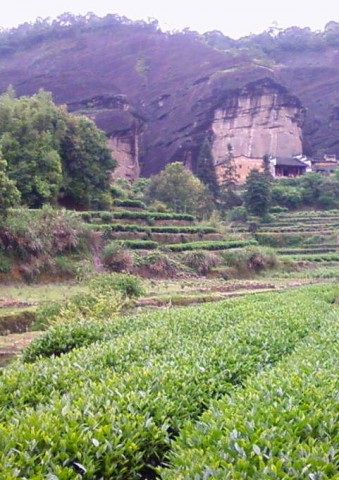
point(126, 152)
point(113, 114)
point(261, 119)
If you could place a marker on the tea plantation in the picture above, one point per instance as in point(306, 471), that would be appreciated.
point(244, 388)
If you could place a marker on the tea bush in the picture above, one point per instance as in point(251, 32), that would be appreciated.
point(209, 245)
point(113, 411)
point(283, 424)
point(64, 337)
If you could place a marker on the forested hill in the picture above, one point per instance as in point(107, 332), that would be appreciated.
point(134, 79)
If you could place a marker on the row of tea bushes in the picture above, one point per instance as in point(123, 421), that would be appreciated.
point(109, 411)
point(123, 227)
point(204, 321)
point(300, 227)
point(284, 424)
point(309, 214)
point(322, 248)
point(129, 203)
point(279, 240)
point(315, 257)
point(107, 216)
point(210, 245)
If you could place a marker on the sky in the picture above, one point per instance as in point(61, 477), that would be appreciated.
point(235, 18)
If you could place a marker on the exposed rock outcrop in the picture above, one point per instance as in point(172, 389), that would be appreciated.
point(114, 115)
point(260, 119)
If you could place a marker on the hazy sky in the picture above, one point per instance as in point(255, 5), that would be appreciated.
point(234, 18)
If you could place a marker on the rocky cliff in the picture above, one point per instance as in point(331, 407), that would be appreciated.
point(158, 95)
point(261, 118)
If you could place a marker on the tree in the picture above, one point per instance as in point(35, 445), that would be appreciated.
point(311, 187)
point(53, 154)
point(205, 169)
point(30, 131)
point(284, 195)
point(87, 164)
point(229, 197)
point(178, 188)
point(257, 194)
point(9, 194)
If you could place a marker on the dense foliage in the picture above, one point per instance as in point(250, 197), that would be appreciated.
point(111, 412)
point(282, 424)
point(257, 194)
point(270, 43)
point(52, 155)
point(178, 188)
point(205, 169)
point(209, 245)
point(9, 194)
point(134, 215)
point(37, 239)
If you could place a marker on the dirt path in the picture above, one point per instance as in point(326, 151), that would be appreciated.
point(10, 345)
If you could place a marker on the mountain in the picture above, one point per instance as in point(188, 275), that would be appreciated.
point(159, 95)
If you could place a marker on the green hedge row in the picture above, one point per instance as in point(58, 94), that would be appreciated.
point(139, 244)
point(316, 257)
point(308, 251)
point(310, 213)
point(302, 222)
point(129, 214)
point(121, 227)
point(110, 410)
point(288, 239)
point(129, 203)
point(299, 228)
point(283, 424)
point(181, 247)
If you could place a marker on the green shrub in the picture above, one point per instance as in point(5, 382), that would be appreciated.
point(280, 239)
point(210, 245)
point(5, 263)
point(107, 294)
point(40, 234)
point(159, 264)
point(158, 206)
point(201, 262)
point(106, 217)
point(251, 259)
point(140, 244)
point(46, 313)
point(117, 192)
point(153, 215)
point(129, 203)
point(128, 285)
point(65, 265)
point(64, 337)
point(86, 217)
point(278, 209)
point(116, 258)
point(109, 229)
point(237, 214)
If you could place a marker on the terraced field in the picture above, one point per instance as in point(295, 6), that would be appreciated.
point(245, 388)
point(304, 235)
